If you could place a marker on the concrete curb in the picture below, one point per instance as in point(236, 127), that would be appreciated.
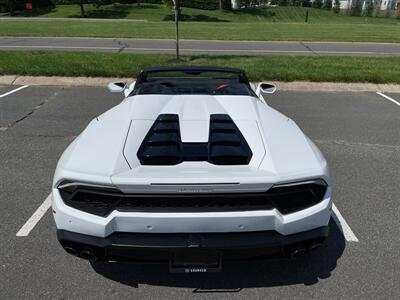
point(337, 87)
point(283, 86)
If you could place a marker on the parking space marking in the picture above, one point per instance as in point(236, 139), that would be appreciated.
point(343, 226)
point(13, 91)
point(35, 218)
point(388, 98)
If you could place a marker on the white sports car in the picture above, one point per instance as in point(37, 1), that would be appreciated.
point(192, 167)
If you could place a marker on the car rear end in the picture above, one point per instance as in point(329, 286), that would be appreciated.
point(193, 180)
point(106, 223)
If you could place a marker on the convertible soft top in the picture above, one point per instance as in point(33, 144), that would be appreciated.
point(191, 70)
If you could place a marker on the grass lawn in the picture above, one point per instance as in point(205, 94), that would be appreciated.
point(206, 30)
point(246, 24)
point(283, 68)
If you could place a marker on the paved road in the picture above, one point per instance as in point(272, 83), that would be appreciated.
point(357, 132)
point(200, 47)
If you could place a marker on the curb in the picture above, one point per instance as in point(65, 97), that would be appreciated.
point(305, 86)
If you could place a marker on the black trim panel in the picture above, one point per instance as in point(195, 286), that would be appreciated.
point(287, 199)
point(154, 246)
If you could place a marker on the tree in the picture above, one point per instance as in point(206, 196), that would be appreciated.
point(295, 2)
point(369, 8)
point(336, 6)
point(388, 12)
point(11, 7)
point(377, 7)
point(220, 6)
point(327, 4)
point(168, 3)
point(318, 4)
point(226, 4)
point(82, 8)
point(177, 8)
point(283, 2)
point(398, 11)
point(356, 7)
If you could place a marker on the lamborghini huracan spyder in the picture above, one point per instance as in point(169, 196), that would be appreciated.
point(192, 167)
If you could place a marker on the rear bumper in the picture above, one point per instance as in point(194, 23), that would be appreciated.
point(74, 220)
point(159, 247)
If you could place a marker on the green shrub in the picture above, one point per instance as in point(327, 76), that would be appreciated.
point(19, 5)
point(327, 5)
point(318, 4)
point(356, 8)
point(283, 2)
point(3, 5)
point(227, 4)
point(66, 2)
point(296, 2)
point(201, 4)
point(336, 6)
point(168, 3)
point(369, 8)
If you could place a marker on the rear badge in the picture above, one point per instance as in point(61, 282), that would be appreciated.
point(196, 270)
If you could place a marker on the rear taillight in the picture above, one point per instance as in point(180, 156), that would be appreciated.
point(295, 196)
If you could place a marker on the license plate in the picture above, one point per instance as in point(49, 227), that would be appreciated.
point(195, 261)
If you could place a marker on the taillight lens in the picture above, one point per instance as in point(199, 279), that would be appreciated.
point(292, 197)
point(89, 197)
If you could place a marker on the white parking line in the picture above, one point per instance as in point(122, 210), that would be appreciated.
point(35, 218)
point(13, 91)
point(343, 226)
point(388, 98)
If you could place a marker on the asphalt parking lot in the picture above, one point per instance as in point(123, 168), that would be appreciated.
point(359, 133)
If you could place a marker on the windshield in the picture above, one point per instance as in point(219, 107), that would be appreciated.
point(192, 83)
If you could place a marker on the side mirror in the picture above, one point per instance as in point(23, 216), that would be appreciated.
point(129, 89)
point(253, 87)
point(116, 87)
point(266, 88)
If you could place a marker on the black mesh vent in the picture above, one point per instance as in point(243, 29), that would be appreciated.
point(227, 145)
point(163, 145)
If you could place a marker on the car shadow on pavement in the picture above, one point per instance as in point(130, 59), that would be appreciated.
point(237, 275)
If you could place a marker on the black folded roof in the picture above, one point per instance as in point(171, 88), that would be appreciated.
point(191, 70)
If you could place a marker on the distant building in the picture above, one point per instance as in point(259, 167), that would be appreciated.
point(382, 4)
point(346, 4)
point(391, 4)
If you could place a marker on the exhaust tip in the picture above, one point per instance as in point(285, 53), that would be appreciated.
point(298, 252)
point(88, 255)
point(315, 246)
point(71, 250)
